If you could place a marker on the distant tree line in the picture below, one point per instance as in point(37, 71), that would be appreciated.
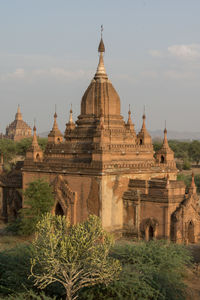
point(11, 150)
point(186, 153)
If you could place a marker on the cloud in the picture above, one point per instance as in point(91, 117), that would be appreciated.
point(34, 74)
point(149, 74)
point(155, 53)
point(63, 73)
point(188, 52)
point(177, 75)
point(19, 73)
point(183, 51)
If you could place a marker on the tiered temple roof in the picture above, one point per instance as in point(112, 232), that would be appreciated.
point(18, 129)
point(100, 139)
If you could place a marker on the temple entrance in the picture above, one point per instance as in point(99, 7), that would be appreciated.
point(59, 211)
point(162, 160)
point(191, 232)
point(151, 233)
point(173, 228)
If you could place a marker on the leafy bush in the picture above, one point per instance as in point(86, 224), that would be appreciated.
point(11, 149)
point(28, 295)
point(15, 269)
point(38, 200)
point(151, 270)
point(15, 265)
point(186, 164)
point(187, 180)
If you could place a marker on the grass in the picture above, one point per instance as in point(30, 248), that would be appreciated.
point(8, 241)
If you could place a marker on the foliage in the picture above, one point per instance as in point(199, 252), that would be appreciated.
point(11, 149)
point(29, 295)
point(180, 149)
point(186, 164)
point(76, 256)
point(186, 151)
point(15, 269)
point(38, 200)
point(151, 270)
point(187, 180)
point(194, 151)
point(157, 145)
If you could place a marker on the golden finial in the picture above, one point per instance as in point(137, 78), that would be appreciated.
point(70, 115)
point(101, 47)
point(101, 30)
point(34, 126)
point(165, 130)
point(55, 114)
point(144, 115)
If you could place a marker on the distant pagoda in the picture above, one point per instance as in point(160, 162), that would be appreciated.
point(18, 129)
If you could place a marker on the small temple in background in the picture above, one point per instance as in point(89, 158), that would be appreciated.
point(18, 129)
point(102, 166)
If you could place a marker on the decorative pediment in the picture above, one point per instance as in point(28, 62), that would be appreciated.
point(191, 203)
point(65, 197)
point(149, 222)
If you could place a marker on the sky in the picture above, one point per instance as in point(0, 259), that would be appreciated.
point(48, 56)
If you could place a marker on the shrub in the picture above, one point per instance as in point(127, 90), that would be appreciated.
point(153, 270)
point(29, 295)
point(186, 164)
point(38, 201)
point(15, 269)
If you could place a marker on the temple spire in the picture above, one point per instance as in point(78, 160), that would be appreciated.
point(143, 122)
point(55, 125)
point(70, 125)
point(18, 115)
point(55, 136)
point(34, 141)
point(101, 72)
point(165, 141)
point(71, 116)
point(192, 188)
point(129, 122)
point(144, 137)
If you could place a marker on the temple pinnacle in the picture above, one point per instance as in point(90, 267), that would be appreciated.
point(101, 72)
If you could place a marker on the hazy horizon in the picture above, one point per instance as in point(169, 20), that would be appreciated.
point(48, 56)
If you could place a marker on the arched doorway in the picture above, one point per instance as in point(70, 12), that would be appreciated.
point(162, 159)
point(151, 233)
point(58, 210)
point(191, 232)
point(173, 228)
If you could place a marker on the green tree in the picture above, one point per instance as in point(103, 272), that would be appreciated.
point(157, 145)
point(38, 200)
point(76, 256)
point(186, 164)
point(194, 151)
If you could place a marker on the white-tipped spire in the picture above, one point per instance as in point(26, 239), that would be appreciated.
point(101, 72)
point(71, 116)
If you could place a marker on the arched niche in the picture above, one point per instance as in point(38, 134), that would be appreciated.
point(190, 232)
point(58, 210)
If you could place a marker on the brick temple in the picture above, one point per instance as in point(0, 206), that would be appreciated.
point(102, 166)
point(18, 129)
